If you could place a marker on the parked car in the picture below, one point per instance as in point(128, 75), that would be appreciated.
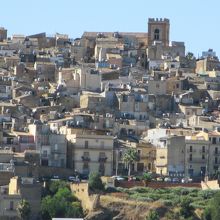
point(119, 178)
point(186, 180)
point(55, 178)
point(167, 179)
point(160, 179)
point(72, 179)
point(175, 180)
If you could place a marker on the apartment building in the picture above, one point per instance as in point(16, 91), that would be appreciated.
point(90, 151)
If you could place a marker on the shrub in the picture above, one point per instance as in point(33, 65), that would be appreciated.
point(147, 176)
point(153, 215)
point(95, 182)
point(186, 208)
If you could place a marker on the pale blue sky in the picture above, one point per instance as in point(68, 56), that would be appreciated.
point(197, 22)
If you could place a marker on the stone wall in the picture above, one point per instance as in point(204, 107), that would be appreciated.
point(155, 185)
point(213, 184)
point(90, 202)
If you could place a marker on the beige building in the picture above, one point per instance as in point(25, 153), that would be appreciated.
point(170, 158)
point(8, 203)
point(89, 150)
point(147, 157)
point(18, 189)
point(157, 87)
point(196, 156)
point(207, 64)
point(190, 110)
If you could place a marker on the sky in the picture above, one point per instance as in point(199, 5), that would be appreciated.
point(196, 22)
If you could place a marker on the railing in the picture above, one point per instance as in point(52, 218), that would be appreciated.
point(216, 153)
point(85, 158)
point(197, 160)
point(56, 151)
point(102, 159)
point(203, 151)
point(191, 151)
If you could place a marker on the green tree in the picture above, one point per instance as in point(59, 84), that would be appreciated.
point(190, 56)
point(56, 185)
point(153, 215)
point(24, 209)
point(147, 176)
point(95, 182)
point(212, 212)
point(129, 157)
point(186, 210)
point(62, 204)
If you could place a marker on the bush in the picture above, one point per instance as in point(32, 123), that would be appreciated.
point(147, 176)
point(186, 208)
point(111, 189)
point(62, 204)
point(153, 215)
point(212, 212)
point(95, 182)
point(167, 202)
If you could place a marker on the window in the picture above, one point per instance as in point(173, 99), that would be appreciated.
point(190, 148)
point(102, 144)
point(102, 154)
point(86, 154)
point(214, 140)
point(156, 34)
point(11, 205)
point(177, 86)
point(216, 160)
point(86, 144)
point(203, 156)
point(190, 157)
point(203, 149)
point(44, 153)
point(85, 165)
point(216, 150)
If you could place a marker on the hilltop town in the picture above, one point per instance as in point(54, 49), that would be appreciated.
point(122, 104)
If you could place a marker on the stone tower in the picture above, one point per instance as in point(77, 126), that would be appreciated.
point(158, 30)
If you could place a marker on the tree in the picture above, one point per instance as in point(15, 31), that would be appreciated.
point(186, 209)
point(56, 185)
point(153, 215)
point(62, 204)
point(129, 157)
point(212, 212)
point(190, 56)
point(24, 209)
point(95, 182)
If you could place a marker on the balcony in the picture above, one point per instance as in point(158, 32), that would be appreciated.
point(197, 160)
point(203, 151)
point(102, 159)
point(191, 151)
point(56, 151)
point(151, 157)
point(85, 158)
point(216, 153)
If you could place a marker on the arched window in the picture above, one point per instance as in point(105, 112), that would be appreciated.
point(156, 34)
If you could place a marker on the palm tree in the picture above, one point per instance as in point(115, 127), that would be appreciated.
point(24, 209)
point(129, 157)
